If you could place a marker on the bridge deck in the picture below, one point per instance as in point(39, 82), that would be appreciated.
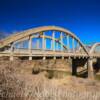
point(43, 53)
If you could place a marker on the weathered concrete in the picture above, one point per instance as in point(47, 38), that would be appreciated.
point(79, 55)
point(90, 68)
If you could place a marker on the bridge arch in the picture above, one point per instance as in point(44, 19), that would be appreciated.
point(28, 33)
point(94, 60)
point(94, 47)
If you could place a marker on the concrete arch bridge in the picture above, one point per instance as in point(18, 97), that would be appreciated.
point(49, 42)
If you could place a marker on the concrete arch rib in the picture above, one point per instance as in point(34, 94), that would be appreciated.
point(29, 32)
point(93, 47)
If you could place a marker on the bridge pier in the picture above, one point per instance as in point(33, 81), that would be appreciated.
point(44, 58)
point(90, 68)
point(62, 57)
point(30, 57)
point(11, 51)
point(54, 57)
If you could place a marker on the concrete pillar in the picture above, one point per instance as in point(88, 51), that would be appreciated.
point(43, 42)
point(30, 45)
point(61, 37)
point(44, 58)
point(53, 44)
point(54, 57)
point(30, 57)
point(68, 43)
point(57, 46)
point(77, 45)
point(73, 45)
point(11, 52)
point(62, 57)
point(30, 48)
point(90, 68)
point(69, 58)
point(38, 44)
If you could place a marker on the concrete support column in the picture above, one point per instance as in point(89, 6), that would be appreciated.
point(57, 46)
point(11, 52)
point(30, 45)
point(44, 58)
point(73, 45)
point(90, 68)
point(53, 37)
point(68, 43)
point(38, 45)
point(43, 42)
point(51, 45)
point(61, 37)
point(62, 57)
point(30, 48)
point(77, 46)
point(54, 57)
point(30, 57)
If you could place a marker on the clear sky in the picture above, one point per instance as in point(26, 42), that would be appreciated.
point(79, 16)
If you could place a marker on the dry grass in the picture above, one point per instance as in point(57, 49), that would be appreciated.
point(18, 86)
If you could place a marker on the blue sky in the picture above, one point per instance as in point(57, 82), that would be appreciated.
point(79, 16)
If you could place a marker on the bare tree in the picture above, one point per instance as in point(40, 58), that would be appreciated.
point(3, 34)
